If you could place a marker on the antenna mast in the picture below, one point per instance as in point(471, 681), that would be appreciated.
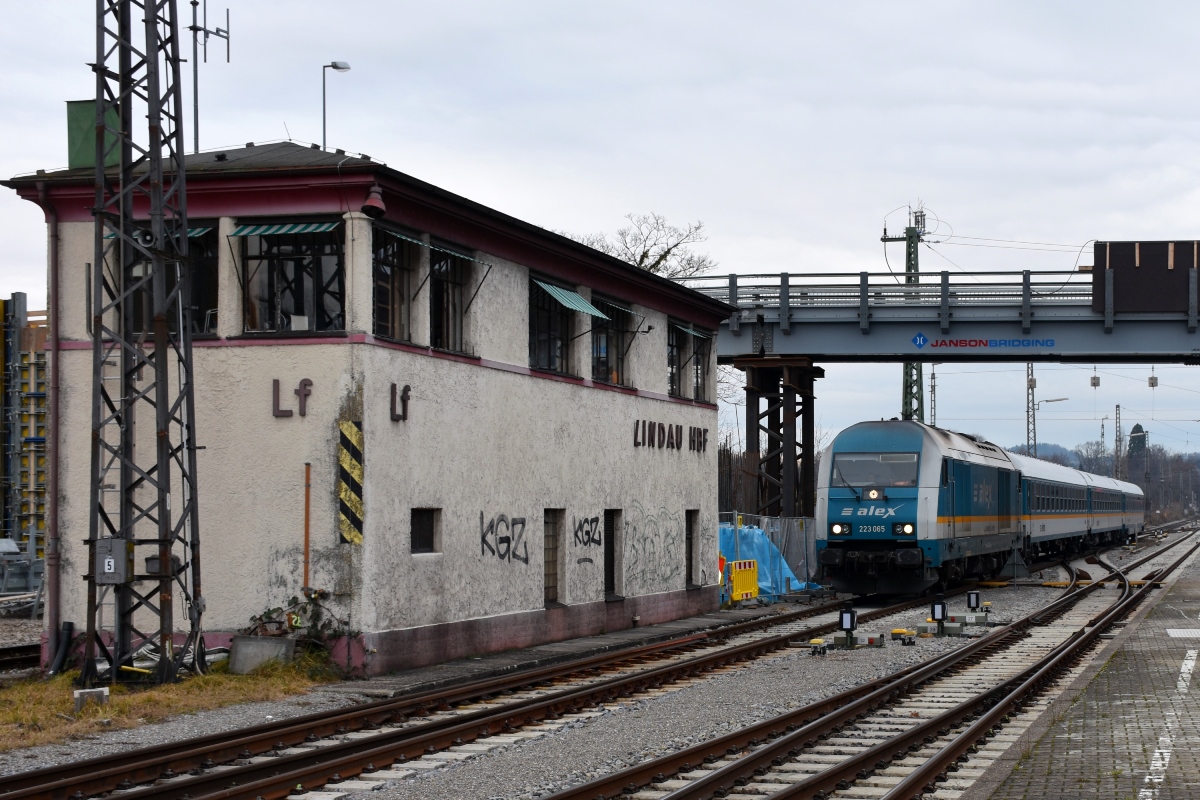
point(197, 29)
point(143, 538)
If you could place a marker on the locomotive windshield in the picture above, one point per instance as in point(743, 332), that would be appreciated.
point(874, 469)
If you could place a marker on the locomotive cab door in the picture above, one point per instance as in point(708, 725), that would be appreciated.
point(948, 486)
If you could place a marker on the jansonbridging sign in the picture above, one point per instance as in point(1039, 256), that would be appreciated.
point(920, 341)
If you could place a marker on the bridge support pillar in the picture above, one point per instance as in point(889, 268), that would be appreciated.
point(780, 433)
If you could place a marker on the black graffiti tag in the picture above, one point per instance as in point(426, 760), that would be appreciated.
point(587, 531)
point(503, 538)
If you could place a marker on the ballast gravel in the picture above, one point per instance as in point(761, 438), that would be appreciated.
point(16, 631)
point(636, 730)
point(188, 726)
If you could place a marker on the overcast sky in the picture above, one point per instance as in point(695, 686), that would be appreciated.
point(790, 129)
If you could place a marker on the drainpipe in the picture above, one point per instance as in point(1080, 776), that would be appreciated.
point(52, 551)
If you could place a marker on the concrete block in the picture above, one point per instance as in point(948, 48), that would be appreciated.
point(248, 652)
point(85, 696)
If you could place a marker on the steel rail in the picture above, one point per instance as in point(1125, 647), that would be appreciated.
point(21, 656)
point(924, 778)
point(781, 749)
point(125, 770)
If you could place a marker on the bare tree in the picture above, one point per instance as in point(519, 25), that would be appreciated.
point(653, 244)
point(1094, 457)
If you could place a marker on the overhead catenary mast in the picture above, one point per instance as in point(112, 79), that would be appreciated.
point(143, 538)
point(912, 401)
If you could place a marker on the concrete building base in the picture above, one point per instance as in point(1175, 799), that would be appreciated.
point(433, 644)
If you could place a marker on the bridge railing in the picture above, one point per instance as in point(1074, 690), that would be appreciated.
point(1062, 287)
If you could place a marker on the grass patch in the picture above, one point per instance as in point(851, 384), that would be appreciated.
point(36, 712)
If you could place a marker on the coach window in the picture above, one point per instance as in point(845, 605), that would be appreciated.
point(610, 342)
point(394, 260)
point(447, 277)
point(293, 277)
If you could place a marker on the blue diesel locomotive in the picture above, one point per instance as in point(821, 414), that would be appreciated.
point(902, 506)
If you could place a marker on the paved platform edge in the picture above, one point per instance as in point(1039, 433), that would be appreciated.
point(1001, 768)
point(363, 687)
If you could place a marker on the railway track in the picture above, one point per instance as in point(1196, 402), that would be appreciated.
point(270, 760)
point(22, 656)
point(904, 736)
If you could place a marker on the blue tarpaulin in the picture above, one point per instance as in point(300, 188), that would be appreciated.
point(752, 543)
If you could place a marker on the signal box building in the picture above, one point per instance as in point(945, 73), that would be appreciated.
point(510, 436)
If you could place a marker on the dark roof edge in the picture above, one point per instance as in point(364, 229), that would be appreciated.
point(552, 241)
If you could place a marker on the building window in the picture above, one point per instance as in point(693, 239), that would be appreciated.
point(700, 350)
point(552, 524)
point(447, 277)
point(426, 530)
point(610, 339)
point(202, 255)
point(612, 524)
point(294, 282)
point(549, 331)
point(675, 346)
point(394, 262)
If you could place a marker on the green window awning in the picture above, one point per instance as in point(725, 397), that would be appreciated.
point(284, 227)
point(571, 300)
point(192, 233)
point(692, 331)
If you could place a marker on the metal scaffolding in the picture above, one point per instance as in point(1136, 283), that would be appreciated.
point(23, 471)
point(144, 545)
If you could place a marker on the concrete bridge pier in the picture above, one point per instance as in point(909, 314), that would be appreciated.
point(779, 391)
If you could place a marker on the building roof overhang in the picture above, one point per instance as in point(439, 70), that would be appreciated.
point(284, 179)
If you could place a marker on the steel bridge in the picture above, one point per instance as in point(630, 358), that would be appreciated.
point(963, 316)
point(786, 324)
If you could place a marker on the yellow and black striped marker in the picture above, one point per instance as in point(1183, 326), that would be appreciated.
point(350, 481)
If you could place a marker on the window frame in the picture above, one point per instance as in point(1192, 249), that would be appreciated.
point(447, 313)
point(270, 266)
point(613, 333)
point(701, 353)
point(434, 533)
point(550, 323)
point(392, 278)
point(675, 345)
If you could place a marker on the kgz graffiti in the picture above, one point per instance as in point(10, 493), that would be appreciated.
point(587, 532)
point(503, 538)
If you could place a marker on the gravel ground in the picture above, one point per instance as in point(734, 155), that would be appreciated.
point(14, 631)
point(632, 732)
point(188, 726)
point(622, 735)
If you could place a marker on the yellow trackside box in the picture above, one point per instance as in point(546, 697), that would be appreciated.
point(743, 580)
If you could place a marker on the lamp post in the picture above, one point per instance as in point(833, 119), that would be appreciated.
point(336, 66)
point(1031, 445)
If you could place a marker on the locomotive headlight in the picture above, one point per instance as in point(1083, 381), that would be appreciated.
point(873, 494)
point(839, 529)
point(904, 529)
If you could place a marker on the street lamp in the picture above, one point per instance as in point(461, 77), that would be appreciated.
point(1031, 445)
point(336, 66)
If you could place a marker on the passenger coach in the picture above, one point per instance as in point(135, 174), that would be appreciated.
point(902, 506)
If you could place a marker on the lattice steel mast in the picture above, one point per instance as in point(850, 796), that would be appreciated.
point(1030, 412)
point(144, 545)
point(912, 395)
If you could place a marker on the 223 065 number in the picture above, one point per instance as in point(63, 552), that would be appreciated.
point(873, 528)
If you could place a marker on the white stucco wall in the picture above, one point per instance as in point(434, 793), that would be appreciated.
point(484, 438)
